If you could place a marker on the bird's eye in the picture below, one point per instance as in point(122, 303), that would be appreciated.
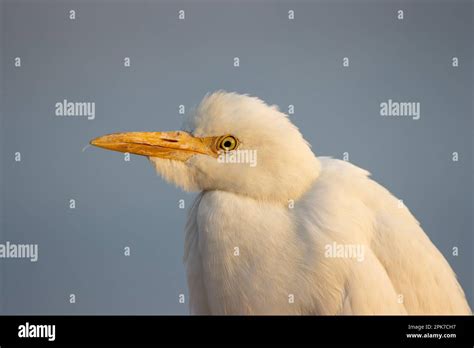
point(228, 143)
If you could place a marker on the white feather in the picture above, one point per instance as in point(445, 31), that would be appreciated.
point(248, 252)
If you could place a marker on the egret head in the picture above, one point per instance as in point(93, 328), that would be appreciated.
point(233, 143)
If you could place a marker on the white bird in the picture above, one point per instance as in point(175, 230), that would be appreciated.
point(295, 233)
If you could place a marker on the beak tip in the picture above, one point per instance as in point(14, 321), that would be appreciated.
point(95, 142)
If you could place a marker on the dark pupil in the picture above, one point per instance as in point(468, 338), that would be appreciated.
point(227, 143)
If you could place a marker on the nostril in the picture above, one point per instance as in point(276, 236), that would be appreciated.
point(170, 140)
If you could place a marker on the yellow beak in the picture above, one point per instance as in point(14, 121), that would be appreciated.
point(176, 145)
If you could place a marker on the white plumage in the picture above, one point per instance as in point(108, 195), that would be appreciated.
point(250, 250)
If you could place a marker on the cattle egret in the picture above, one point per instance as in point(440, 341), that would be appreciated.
point(293, 233)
